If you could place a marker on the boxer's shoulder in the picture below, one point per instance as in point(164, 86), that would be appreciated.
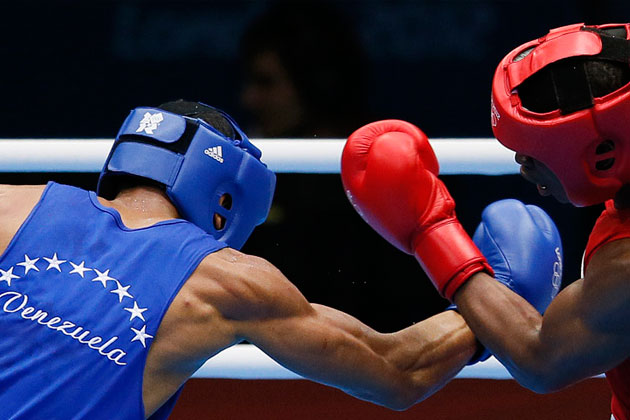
point(243, 287)
point(223, 300)
point(610, 261)
point(16, 203)
point(18, 199)
point(20, 193)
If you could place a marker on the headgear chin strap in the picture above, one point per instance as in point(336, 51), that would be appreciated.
point(583, 139)
point(197, 165)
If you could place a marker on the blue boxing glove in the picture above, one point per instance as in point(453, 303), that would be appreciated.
point(523, 246)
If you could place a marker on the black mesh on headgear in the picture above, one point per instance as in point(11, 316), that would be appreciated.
point(202, 112)
point(571, 84)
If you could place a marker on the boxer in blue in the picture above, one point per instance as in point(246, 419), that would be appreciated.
point(110, 301)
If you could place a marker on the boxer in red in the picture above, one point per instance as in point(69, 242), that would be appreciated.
point(562, 103)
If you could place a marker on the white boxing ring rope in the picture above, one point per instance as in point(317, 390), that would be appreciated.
point(245, 361)
point(456, 156)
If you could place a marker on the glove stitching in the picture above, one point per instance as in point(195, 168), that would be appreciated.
point(508, 281)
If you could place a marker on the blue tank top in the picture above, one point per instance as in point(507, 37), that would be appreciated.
point(81, 300)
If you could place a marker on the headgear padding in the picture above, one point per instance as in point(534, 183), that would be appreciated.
point(582, 137)
point(197, 165)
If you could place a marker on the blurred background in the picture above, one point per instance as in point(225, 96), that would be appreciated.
point(293, 70)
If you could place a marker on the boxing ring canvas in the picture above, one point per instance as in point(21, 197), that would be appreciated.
point(244, 383)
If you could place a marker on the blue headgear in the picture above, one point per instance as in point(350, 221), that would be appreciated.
point(197, 164)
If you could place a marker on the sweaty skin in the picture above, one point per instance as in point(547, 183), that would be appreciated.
point(585, 330)
point(232, 297)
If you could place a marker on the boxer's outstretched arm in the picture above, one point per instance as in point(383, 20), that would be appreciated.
point(584, 331)
point(328, 346)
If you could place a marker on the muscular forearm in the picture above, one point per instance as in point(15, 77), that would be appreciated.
point(328, 346)
point(543, 354)
point(395, 370)
point(436, 350)
point(420, 359)
point(505, 323)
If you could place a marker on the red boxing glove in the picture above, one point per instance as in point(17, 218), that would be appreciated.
point(389, 172)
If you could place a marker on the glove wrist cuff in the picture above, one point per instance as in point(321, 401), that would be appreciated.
point(449, 256)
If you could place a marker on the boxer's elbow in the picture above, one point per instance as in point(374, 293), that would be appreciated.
point(398, 393)
point(401, 398)
point(401, 405)
point(410, 389)
point(546, 381)
point(543, 384)
point(543, 373)
point(407, 396)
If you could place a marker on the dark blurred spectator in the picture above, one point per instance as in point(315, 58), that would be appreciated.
point(304, 72)
point(304, 77)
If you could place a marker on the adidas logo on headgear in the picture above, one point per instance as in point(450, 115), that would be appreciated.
point(215, 153)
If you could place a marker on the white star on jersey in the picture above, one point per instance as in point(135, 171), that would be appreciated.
point(54, 262)
point(8, 276)
point(103, 277)
point(79, 269)
point(121, 291)
point(141, 335)
point(29, 264)
point(136, 312)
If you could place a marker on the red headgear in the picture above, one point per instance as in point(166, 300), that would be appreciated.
point(583, 139)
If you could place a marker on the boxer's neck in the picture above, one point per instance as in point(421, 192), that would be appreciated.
point(142, 206)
